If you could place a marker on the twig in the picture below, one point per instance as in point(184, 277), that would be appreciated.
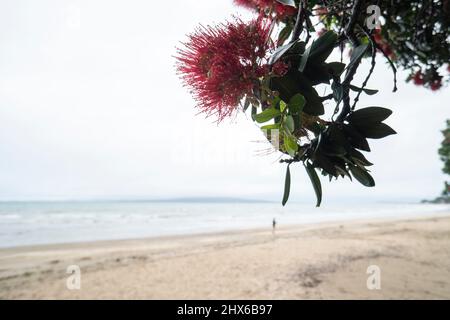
point(298, 28)
point(372, 67)
point(328, 97)
point(350, 34)
point(289, 161)
point(394, 69)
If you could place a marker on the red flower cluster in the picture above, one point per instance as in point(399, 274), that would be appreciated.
point(383, 44)
point(436, 85)
point(281, 11)
point(222, 64)
point(418, 79)
point(280, 68)
point(430, 79)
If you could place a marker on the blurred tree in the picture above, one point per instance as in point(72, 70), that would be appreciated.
point(444, 152)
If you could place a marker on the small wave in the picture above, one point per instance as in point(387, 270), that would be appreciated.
point(9, 216)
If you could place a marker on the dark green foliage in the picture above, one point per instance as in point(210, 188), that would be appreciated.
point(333, 151)
point(315, 181)
point(368, 122)
point(313, 68)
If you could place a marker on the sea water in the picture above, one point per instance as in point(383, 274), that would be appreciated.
point(31, 223)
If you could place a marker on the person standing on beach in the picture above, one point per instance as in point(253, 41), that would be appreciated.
point(274, 224)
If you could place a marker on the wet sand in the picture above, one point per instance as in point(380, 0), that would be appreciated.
point(322, 261)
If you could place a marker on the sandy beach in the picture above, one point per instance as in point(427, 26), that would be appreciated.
point(321, 261)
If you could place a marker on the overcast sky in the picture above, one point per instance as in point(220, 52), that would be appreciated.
point(91, 107)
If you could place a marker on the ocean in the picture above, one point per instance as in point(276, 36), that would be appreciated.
point(32, 223)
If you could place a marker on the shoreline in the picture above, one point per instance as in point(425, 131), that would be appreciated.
point(306, 261)
point(231, 231)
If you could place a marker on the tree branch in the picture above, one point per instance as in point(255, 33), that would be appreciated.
point(349, 32)
point(394, 69)
point(372, 67)
point(328, 97)
point(298, 28)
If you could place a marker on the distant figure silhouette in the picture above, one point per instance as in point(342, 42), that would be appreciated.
point(274, 225)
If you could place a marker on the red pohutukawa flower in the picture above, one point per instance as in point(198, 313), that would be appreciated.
point(249, 4)
point(221, 64)
point(280, 68)
point(378, 37)
point(279, 9)
point(418, 79)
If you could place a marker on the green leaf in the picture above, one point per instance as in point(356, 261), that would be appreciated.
point(369, 115)
point(304, 59)
point(283, 106)
point(355, 138)
point(285, 33)
point(246, 104)
point(315, 182)
point(291, 145)
point(271, 126)
point(317, 73)
point(338, 91)
point(333, 149)
point(325, 163)
point(289, 122)
point(298, 48)
point(254, 110)
point(375, 130)
point(297, 103)
point(297, 120)
point(357, 55)
point(293, 83)
point(343, 172)
point(336, 68)
point(275, 102)
point(287, 186)
point(369, 92)
point(362, 176)
point(323, 46)
point(288, 2)
point(358, 156)
point(280, 51)
point(336, 136)
point(267, 115)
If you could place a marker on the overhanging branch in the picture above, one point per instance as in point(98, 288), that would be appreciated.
point(349, 32)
